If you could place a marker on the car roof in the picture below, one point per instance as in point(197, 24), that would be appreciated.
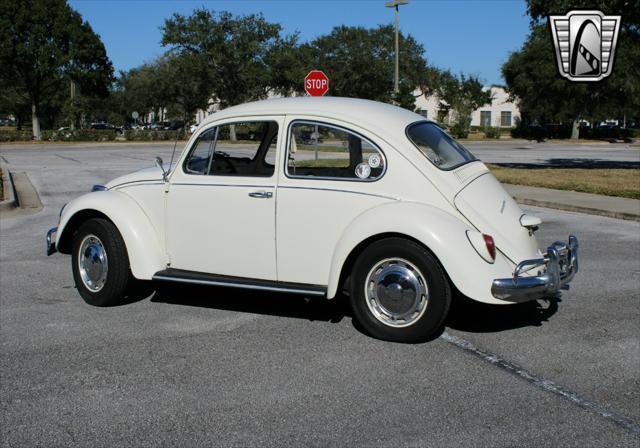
point(373, 115)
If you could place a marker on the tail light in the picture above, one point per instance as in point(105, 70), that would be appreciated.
point(491, 245)
point(483, 244)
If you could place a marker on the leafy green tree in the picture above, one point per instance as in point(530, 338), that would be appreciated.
point(231, 51)
point(360, 63)
point(532, 76)
point(463, 94)
point(44, 44)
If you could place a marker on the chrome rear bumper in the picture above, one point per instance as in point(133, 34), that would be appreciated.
point(559, 266)
point(51, 241)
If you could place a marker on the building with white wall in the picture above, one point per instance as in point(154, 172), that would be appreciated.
point(501, 112)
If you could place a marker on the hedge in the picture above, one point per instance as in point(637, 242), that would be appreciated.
point(79, 135)
point(562, 131)
point(133, 135)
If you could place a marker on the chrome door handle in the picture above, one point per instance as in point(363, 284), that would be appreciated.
point(261, 194)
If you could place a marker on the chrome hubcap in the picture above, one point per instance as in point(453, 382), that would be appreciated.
point(396, 292)
point(93, 264)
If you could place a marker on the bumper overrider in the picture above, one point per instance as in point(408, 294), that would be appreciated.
point(560, 265)
point(51, 241)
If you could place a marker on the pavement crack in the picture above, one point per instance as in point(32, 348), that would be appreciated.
point(542, 383)
point(68, 158)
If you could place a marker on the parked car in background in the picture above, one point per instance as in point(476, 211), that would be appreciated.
point(384, 205)
point(103, 126)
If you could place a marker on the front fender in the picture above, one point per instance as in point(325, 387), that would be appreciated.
point(441, 232)
point(144, 247)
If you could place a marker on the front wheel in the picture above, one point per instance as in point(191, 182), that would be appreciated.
point(399, 291)
point(100, 263)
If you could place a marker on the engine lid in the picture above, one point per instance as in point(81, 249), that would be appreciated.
point(488, 206)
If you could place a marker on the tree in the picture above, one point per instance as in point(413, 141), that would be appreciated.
point(532, 76)
point(231, 51)
point(44, 44)
point(463, 94)
point(360, 64)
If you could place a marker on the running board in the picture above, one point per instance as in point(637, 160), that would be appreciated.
point(199, 278)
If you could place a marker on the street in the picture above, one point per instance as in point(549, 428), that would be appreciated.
point(214, 366)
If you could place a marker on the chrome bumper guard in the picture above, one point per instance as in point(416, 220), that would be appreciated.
point(560, 266)
point(51, 241)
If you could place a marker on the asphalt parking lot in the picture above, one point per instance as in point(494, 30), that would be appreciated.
point(214, 366)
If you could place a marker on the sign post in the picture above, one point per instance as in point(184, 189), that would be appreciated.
point(316, 83)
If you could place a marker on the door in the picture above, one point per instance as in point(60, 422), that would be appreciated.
point(332, 174)
point(221, 201)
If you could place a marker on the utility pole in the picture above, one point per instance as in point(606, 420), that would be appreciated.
point(73, 105)
point(396, 80)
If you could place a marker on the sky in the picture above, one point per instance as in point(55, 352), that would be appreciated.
point(468, 36)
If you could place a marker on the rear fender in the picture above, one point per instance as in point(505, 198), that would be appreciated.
point(440, 232)
point(144, 247)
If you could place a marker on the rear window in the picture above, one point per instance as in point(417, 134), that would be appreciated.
point(443, 151)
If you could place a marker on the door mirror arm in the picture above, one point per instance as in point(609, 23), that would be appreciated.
point(159, 164)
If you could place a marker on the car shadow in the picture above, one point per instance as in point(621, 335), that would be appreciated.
point(464, 315)
point(475, 317)
point(256, 302)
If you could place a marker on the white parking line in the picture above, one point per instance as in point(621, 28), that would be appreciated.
point(541, 382)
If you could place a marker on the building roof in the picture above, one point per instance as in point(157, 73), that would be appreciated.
point(353, 110)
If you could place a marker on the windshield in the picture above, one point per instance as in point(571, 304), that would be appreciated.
point(438, 146)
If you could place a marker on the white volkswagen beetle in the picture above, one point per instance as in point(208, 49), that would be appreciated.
point(315, 196)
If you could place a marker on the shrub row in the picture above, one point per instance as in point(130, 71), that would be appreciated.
point(133, 135)
point(88, 135)
point(15, 136)
point(492, 132)
point(79, 135)
point(560, 131)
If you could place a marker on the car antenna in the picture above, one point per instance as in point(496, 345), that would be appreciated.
point(174, 148)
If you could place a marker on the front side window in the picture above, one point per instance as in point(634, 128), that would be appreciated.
point(235, 149)
point(438, 146)
point(198, 160)
point(322, 151)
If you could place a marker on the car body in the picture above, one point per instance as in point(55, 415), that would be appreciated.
point(380, 202)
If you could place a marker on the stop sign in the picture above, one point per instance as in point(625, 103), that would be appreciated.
point(316, 83)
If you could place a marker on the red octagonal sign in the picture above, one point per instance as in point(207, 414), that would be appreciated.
point(316, 83)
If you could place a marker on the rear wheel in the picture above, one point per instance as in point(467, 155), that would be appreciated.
point(399, 291)
point(100, 263)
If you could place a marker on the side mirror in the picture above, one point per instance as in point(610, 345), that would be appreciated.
point(159, 164)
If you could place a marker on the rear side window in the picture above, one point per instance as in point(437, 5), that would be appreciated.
point(235, 149)
point(442, 150)
point(318, 150)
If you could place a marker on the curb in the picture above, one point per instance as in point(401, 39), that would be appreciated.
point(23, 196)
point(9, 203)
point(578, 209)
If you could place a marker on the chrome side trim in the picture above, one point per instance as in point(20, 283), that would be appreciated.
point(338, 190)
point(239, 285)
point(222, 185)
point(159, 181)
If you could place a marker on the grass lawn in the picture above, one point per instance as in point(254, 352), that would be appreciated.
point(610, 182)
point(324, 163)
